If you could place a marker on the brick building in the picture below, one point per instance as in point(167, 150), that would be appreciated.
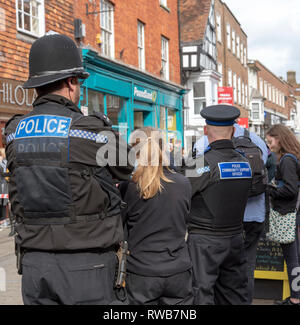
point(232, 55)
point(133, 59)
point(271, 98)
point(199, 61)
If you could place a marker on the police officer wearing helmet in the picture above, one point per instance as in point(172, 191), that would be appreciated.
point(65, 200)
point(219, 197)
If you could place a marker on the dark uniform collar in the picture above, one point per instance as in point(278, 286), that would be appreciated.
point(57, 99)
point(222, 144)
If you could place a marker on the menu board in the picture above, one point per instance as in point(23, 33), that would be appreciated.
point(269, 256)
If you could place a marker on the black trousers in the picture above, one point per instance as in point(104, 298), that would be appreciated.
point(68, 279)
point(219, 269)
point(291, 254)
point(252, 233)
point(171, 290)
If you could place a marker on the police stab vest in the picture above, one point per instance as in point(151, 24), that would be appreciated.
point(47, 188)
point(227, 194)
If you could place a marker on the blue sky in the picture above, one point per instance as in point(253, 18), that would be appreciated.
point(273, 30)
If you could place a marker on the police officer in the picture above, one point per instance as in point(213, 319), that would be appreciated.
point(66, 204)
point(219, 196)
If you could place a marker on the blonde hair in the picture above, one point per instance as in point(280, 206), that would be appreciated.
point(151, 159)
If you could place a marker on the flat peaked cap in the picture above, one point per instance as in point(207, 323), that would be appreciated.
point(220, 115)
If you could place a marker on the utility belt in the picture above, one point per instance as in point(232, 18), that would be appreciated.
point(20, 252)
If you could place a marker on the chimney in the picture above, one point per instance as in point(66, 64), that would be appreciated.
point(291, 77)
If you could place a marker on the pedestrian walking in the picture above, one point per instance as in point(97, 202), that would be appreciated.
point(219, 196)
point(284, 197)
point(158, 203)
point(62, 192)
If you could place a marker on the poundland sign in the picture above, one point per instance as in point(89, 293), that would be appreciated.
point(144, 94)
point(12, 94)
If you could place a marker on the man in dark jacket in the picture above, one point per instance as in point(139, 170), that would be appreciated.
point(219, 197)
point(62, 193)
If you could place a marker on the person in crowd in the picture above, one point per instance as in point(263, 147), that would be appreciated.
point(283, 142)
point(3, 190)
point(255, 212)
point(271, 165)
point(219, 196)
point(158, 203)
point(62, 191)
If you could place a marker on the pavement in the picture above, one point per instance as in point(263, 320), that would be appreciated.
point(11, 281)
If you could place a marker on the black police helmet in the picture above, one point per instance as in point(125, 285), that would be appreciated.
point(53, 57)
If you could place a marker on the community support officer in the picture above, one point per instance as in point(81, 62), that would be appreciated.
point(255, 212)
point(67, 206)
point(219, 197)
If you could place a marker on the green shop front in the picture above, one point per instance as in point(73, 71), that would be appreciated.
point(131, 98)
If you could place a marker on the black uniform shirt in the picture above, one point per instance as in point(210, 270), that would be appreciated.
point(156, 228)
point(218, 205)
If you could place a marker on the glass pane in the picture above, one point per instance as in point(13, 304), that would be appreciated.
point(171, 120)
point(34, 8)
point(27, 22)
point(20, 4)
point(27, 6)
point(199, 89)
point(35, 25)
point(199, 104)
point(162, 118)
point(114, 106)
point(95, 102)
point(20, 23)
point(138, 120)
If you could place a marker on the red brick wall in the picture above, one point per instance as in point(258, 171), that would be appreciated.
point(267, 76)
point(158, 22)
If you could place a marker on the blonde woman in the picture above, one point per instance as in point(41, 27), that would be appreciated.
point(158, 204)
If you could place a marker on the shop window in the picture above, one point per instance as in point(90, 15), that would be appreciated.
point(95, 101)
point(199, 97)
point(31, 17)
point(114, 106)
point(107, 27)
point(162, 118)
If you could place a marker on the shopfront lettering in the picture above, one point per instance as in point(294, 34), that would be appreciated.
point(14, 94)
point(145, 94)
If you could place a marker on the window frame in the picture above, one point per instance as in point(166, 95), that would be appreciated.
point(107, 33)
point(40, 18)
point(141, 47)
point(200, 99)
point(165, 58)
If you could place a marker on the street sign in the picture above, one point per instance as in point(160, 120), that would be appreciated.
point(225, 95)
point(243, 122)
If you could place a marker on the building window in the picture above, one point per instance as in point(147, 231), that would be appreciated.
point(199, 97)
point(233, 41)
point(141, 45)
point(165, 58)
point(243, 94)
point(229, 78)
point(219, 28)
point(228, 36)
point(266, 90)
point(261, 88)
point(245, 56)
point(234, 88)
point(239, 91)
point(31, 17)
point(246, 95)
point(163, 3)
point(255, 111)
point(107, 28)
point(242, 53)
point(220, 70)
point(238, 47)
